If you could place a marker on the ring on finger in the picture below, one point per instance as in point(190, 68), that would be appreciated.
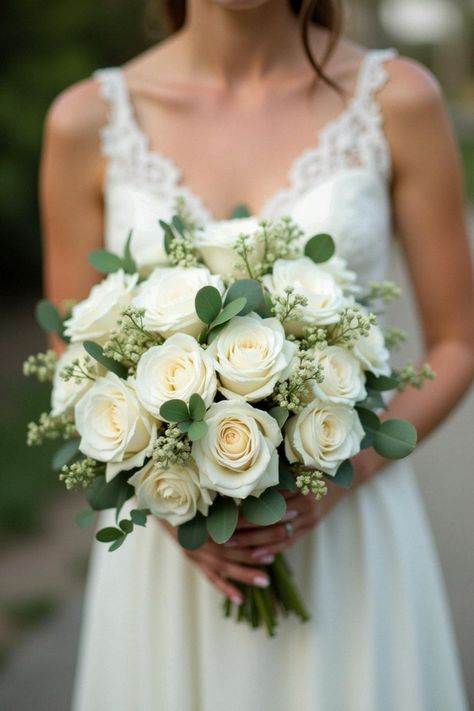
point(289, 529)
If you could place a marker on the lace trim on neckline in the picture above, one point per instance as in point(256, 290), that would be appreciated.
point(354, 138)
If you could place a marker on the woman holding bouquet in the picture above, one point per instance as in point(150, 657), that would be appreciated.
point(240, 91)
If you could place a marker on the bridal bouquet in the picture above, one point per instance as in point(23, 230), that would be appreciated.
point(245, 365)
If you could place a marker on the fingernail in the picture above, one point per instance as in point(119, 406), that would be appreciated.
point(261, 581)
point(267, 559)
point(259, 552)
point(290, 515)
point(236, 599)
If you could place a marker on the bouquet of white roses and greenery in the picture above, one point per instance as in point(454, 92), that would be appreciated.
point(245, 365)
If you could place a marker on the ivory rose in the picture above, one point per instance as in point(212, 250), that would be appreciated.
point(216, 241)
point(323, 435)
point(238, 457)
point(324, 295)
point(175, 370)
point(65, 394)
point(372, 352)
point(251, 355)
point(343, 379)
point(114, 426)
point(97, 315)
point(168, 295)
point(173, 494)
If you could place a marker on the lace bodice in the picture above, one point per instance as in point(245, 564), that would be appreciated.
point(341, 185)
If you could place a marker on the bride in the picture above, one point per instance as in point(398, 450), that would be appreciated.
point(262, 102)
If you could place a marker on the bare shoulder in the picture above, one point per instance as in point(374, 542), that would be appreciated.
point(77, 114)
point(411, 93)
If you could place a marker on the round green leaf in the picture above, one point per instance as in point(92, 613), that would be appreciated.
point(65, 454)
point(240, 211)
point(47, 317)
point(126, 525)
point(106, 535)
point(198, 430)
point(102, 495)
point(222, 519)
point(229, 311)
point(208, 303)
point(185, 425)
point(381, 383)
point(105, 262)
point(320, 248)
point(193, 534)
point(280, 414)
point(197, 407)
point(139, 516)
point(251, 290)
point(128, 261)
point(371, 423)
point(97, 352)
point(344, 475)
point(269, 508)
point(373, 401)
point(395, 439)
point(174, 411)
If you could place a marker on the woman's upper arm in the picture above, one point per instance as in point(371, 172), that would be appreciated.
point(70, 191)
point(428, 203)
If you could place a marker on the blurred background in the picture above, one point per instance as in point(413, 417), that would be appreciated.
point(47, 46)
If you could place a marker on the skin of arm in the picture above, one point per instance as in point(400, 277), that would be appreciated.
point(429, 216)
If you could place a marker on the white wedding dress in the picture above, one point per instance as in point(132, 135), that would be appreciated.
point(380, 637)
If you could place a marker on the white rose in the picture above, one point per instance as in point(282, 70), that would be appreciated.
point(251, 355)
point(346, 278)
point(95, 317)
point(65, 394)
point(175, 370)
point(238, 457)
point(323, 435)
point(172, 494)
point(216, 241)
point(168, 295)
point(343, 378)
point(324, 296)
point(113, 425)
point(372, 352)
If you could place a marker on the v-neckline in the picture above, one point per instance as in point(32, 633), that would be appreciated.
point(323, 139)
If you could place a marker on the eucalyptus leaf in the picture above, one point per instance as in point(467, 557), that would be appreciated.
point(129, 264)
point(222, 519)
point(126, 525)
point(198, 430)
point(197, 407)
point(265, 510)
point(184, 425)
point(286, 479)
point(179, 224)
point(381, 383)
point(105, 495)
point(104, 261)
point(344, 475)
point(371, 423)
point(251, 290)
point(174, 411)
point(108, 534)
point(280, 414)
point(373, 401)
point(48, 318)
point(232, 309)
point(139, 516)
point(117, 543)
point(193, 534)
point(239, 212)
point(320, 248)
point(65, 454)
point(85, 518)
point(97, 352)
point(208, 303)
point(395, 439)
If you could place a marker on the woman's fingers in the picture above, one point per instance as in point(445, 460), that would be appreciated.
point(241, 573)
point(224, 586)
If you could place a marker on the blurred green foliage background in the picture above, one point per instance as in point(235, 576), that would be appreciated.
point(48, 46)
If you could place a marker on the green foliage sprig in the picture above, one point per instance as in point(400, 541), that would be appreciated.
point(130, 340)
point(51, 426)
point(79, 475)
point(42, 365)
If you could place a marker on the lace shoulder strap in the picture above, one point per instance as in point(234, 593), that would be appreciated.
point(373, 75)
point(119, 134)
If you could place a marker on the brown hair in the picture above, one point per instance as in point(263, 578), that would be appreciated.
point(325, 13)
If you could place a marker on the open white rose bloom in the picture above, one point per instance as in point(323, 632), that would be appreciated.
point(242, 364)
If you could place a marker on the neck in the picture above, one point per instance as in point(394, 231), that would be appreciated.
point(229, 44)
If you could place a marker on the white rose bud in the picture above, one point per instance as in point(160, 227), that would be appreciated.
point(168, 295)
point(173, 494)
point(175, 370)
point(251, 355)
point(65, 394)
point(95, 317)
point(323, 436)
point(343, 378)
point(238, 457)
point(324, 296)
point(372, 352)
point(216, 241)
point(114, 426)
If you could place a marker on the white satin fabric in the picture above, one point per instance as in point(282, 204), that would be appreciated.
point(380, 637)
